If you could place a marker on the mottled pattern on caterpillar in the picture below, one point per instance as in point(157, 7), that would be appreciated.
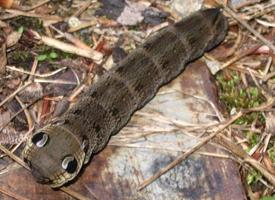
point(57, 152)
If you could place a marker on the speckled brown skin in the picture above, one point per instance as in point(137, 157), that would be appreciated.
point(107, 106)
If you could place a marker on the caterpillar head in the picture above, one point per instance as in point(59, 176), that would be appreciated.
point(54, 155)
point(218, 23)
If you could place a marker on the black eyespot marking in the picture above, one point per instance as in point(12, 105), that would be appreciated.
point(69, 164)
point(40, 139)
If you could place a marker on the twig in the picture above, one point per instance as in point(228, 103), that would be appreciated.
point(240, 56)
point(12, 68)
point(14, 93)
point(17, 113)
point(82, 8)
point(33, 69)
point(189, 152)
point(247, 3)
point(172, 149)
point(249, 28)
point(27, 113)
point(242, 154)
point(58, 81)
point(37, 5)
point(14, 157)
point(92, 54)
point(29, 14)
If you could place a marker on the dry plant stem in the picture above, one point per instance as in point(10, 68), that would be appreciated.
point(82, 9)
point(92, 54)
point(33, 70)
point(76, 92)
point(158, 147)
point(240, 56)
point(37, 5)
point(83, 25)
point(17, 113)
point(235, 149)
point(13, 195)
point(249, 28)
point(267, 67)
point(236, 45)
point(266, 9)
point(58, 81)
point(12, 68)
point(22, 163)
point(29, 14)
point(14, 93)
point(247, 3)
point(77, 42)
point(189, 152)
point(13, 157)
point(27, 113)
point(25, 137)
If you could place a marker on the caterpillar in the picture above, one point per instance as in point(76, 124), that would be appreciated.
point(57, 152)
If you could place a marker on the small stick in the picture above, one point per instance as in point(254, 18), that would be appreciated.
point(33, 69)
point(92, 54)
point(189, 152)
point(20, 88)
point(13, 68)
point(17, 113)
point(247, 3)
point(37, 5)
point(14, 157)
point(30, 14)
point(26, 111)
point(240, 56)
point(249, 28)
point(82, 9)
point(58, 81)
point(242, 154)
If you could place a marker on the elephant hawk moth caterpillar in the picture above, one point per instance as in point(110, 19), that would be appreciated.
point(57, 152)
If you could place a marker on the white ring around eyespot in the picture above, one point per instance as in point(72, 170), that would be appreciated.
point(43, 141)
point(66, 161)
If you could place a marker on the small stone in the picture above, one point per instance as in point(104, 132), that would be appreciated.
point(186, 7)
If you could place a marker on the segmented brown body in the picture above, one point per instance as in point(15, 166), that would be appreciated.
point(108, 105)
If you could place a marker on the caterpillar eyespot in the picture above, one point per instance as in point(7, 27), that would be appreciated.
point(40, 139)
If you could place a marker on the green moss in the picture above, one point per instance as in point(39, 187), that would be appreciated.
point(252, 177)
point(46, 53)
point(236, 96)
point(268, 198)
point(271, 153)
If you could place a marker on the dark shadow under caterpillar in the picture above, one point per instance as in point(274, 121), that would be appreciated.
point(57, 152)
